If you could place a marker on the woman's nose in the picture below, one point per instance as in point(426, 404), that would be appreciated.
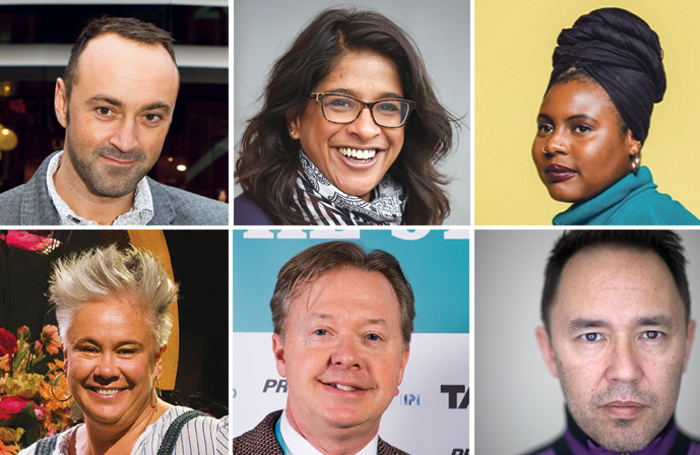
point(364, 126)
point(106, 367)
point(555, 144)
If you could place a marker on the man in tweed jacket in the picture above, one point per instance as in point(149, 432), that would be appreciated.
point(342, 320)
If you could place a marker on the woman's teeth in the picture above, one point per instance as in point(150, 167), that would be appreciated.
point(357, 154)
point(107, 391)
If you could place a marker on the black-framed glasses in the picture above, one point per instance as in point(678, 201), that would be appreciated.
point(387, 113)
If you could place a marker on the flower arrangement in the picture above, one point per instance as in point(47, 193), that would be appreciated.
point(32, 404)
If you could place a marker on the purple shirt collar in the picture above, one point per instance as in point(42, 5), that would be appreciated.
point(581, 444)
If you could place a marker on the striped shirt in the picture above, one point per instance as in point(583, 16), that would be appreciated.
point(201, 435)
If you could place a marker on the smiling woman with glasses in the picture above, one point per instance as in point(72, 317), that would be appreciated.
point(350, 132)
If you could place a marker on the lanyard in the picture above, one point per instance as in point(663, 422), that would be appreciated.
point(280, 439)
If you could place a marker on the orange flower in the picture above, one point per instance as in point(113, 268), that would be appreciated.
point(8, 450)
point(50, 339)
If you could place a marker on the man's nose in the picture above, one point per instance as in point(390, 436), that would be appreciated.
point(345, 352)
point(125, 136)
point(624, 363)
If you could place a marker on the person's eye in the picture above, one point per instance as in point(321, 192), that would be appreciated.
point(87, 349)
point(152, 118)
point(341, 103)
point(593, 336)
point(104, 111)
point(582, 129)
point(544, 128)
point(373, 337)
point(652, 334)
point(320, 332)
point(388, 108)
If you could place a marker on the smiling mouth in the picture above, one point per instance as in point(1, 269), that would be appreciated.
point(106, 392)
point(357, 154)
point(346, 388)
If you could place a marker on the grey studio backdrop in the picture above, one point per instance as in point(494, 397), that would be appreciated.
point(514, 393)
point(264, 30)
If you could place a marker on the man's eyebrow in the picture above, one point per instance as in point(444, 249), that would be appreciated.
point(157, 105)
point(658, 321)
point(583, 323)
point(115, 102)
point(322, 316)
point(375, 322)
point(106, 99)
point(326, 316)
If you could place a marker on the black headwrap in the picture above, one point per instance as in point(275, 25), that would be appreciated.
point(622, 53)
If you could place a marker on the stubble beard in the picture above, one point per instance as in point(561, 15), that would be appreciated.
point(108, 181)
point(618, 435)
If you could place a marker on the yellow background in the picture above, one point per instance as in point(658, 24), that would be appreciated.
point(514, 42)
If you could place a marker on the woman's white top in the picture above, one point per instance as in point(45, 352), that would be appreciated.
point(201, 435)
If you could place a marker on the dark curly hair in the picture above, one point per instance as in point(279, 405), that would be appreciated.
point(269, 160)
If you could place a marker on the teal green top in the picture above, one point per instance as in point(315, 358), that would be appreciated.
point(634, 200)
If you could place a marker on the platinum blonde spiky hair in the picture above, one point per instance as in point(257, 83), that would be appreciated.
point(103, 273)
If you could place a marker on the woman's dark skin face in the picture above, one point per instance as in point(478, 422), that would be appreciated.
point(580, 149)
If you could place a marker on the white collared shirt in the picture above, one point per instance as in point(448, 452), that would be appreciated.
point(297, 445)
point(140, 214)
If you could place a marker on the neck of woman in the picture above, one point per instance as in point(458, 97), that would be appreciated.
point(98, 438)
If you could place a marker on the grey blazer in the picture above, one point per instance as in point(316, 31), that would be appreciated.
point(31, 204)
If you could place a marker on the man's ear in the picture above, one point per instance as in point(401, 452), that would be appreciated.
point(547, 351)
point(60, 102)
point(278, 350)
point(404, 361)
point(689, 342)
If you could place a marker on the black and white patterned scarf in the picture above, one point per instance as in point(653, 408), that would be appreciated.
point(324, 204)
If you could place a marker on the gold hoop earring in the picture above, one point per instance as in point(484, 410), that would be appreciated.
point(292, 133)
point(55, 381)
point(636, 163)
point(154, 397)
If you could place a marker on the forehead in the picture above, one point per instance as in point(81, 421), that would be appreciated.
point(347, 294)
point(615, 284)
point(111, 321)
point(363, 71)
point(110, 61)
point(578, 96)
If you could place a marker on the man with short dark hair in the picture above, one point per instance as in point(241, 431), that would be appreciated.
point(617, 333)
point(116, 101)
point(342, 320)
